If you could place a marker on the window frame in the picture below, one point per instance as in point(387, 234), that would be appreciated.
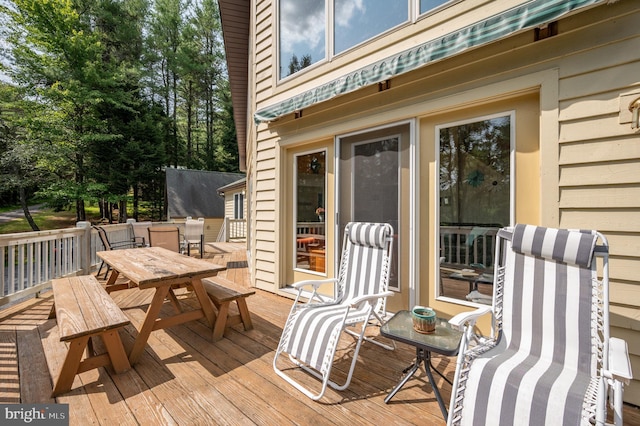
point(238, 206)
point(294, 207)
point(511, 113)
point(413, 14)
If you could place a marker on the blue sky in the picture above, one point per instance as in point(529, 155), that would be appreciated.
point(303, 24)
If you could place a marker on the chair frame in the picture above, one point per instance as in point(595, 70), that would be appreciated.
point(108, 245)
point(374, 306)
point(611, 355)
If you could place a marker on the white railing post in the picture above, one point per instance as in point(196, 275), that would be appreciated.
point(85, 247)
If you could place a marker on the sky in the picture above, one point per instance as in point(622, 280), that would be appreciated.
point(303, 24)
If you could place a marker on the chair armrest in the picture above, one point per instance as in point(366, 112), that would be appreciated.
point(138, 241)
point(313, 283)
point(358, 300)
point(619, 363)
point(468, 318)
point(121, 244)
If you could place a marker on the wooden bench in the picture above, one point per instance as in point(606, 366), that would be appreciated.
point(83, 310)
point(221, 295)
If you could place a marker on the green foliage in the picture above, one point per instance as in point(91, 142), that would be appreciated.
point(108, 93)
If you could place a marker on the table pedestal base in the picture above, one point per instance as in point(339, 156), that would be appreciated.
point(422, 356)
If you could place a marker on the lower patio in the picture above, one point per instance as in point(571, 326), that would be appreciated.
point(185, 378)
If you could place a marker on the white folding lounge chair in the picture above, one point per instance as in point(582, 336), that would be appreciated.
point(312, 331)
point(193, 235)
point(550, 359)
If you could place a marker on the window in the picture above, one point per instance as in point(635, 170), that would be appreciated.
point(310, 198)
point(429, 5)
point(355, 22)
point(238, 206)
point(311, 31)
point(302, 34)
point(474, 201)
point(373, 185)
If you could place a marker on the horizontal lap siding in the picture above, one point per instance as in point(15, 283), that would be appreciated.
point(264, 171)
point(598, 158)
point(599, 168)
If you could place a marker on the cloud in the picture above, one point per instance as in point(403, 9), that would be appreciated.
point(302, 22)
point(346, 9)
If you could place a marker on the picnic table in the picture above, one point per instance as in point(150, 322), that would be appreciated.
point(162, 270)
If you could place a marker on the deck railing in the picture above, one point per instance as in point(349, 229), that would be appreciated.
point(232, 229)
point(468, 245)
point(30, 260)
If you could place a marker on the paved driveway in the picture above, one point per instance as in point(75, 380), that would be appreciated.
point(17, 214)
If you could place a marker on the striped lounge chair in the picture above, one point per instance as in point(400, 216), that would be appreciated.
point(312, 331)
point(550, 359)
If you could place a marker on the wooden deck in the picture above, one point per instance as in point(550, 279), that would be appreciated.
point(183, 378)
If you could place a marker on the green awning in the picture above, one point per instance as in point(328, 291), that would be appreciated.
point(526, 16)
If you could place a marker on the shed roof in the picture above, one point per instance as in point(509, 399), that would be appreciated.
point(195, 192)
point(233, 186)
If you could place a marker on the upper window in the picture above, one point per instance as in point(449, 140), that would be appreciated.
point(429, 5)
point(311, 31)
point(303, 34)
point(356, 20)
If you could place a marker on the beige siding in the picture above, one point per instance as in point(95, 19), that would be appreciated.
point(263, 193)
point(600, 166)
point(591, 157)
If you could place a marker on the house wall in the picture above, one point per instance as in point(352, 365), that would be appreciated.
point(589, 155)
point(229, 203)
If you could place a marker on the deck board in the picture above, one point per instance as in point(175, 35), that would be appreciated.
point(184, 378)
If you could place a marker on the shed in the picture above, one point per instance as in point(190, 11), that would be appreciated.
point(194, 193)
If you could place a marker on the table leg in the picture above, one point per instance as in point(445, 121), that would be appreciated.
point(422, 356)
point(409, 372)
point(427, 368)
point(149, 322)
point(205, 303)
point(112, 278)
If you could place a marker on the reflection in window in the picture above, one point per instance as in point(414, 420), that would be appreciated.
point(427, 5)
point(304, 25)
point(355, 22)
point(302, 34)
point(310, 191)
point(475, 182)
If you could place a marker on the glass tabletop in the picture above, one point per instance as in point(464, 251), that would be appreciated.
point(444, 340)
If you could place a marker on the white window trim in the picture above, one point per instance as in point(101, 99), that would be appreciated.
point(413, 205)
point(294, 208)
point(436, 200)
point(413, 15)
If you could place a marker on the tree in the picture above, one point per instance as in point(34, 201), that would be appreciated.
point(20, 159)
point(123, 88)
point(164, 39)
point(58, 58)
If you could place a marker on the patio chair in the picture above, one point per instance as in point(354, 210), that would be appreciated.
point(193, 235)
point(141, 233)
point(311, 333)
point(109, 245)
point(165, 236)
point(549, 359)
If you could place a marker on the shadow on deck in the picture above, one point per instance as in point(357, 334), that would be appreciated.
point(184, 378)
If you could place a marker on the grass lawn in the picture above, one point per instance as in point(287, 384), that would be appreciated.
point(47, 219)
